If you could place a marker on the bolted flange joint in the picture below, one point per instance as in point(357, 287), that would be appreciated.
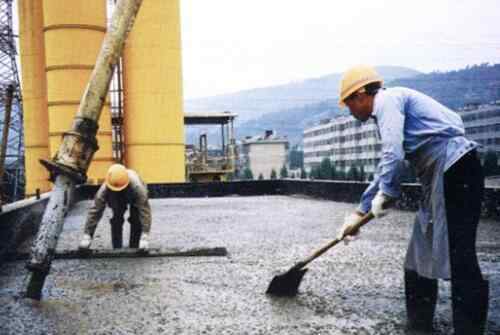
point(75, 152)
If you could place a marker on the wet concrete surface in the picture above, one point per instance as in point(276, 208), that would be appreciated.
point(355, 289)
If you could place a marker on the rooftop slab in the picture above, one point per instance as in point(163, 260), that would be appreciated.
point(355, 289)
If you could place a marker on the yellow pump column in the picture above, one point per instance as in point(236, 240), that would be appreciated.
point(74, 31)
point(34, 88)
point(153, 118)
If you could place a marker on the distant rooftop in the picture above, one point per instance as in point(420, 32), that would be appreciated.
point(201, 118)
point(334, 120)
point(268, 137)
point(477, 106)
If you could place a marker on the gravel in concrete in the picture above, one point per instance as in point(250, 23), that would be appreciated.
point(355, 289)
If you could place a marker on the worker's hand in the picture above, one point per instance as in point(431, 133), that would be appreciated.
point(144, 241)
point(349, 221)
point(380, 204)
point(85, 242)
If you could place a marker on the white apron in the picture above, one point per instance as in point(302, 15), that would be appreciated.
point(428, 250)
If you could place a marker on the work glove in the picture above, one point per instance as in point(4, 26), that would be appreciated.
point(85, 242)
point(144, 241)
point(349, 221)
point(379, 204)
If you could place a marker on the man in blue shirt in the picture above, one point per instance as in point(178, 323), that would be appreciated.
point(431, 137)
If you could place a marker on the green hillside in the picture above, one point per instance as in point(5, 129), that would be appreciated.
point(479, 83)
point(251, 104)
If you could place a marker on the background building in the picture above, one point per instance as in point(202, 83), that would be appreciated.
point(482, 124)
point(345, 141)
point(348, 142)
point(261, 154)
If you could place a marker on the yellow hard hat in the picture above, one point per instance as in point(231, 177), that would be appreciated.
point(356, 78)
point(117, 177)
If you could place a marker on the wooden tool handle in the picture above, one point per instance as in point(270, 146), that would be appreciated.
point(362, 221)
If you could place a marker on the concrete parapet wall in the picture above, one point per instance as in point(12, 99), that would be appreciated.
point(346, 191)
point(343, 191)
point(19, 221)
point(195, 190)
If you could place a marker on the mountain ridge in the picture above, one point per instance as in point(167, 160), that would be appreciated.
point(472, 84)
point(252, 103)
point(454, 89)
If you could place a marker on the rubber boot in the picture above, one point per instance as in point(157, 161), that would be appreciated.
point(421, 297)
point(135, 230)
point(470, 306)
point(117, 233)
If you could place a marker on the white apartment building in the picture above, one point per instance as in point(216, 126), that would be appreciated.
point(349, 142)
point(263, 153)
point(346, 141)
point(482, 124)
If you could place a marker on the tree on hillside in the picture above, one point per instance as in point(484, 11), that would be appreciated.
point(333, 172)
point(283, 172)
point(296, 158)
point(314, 174)
point(362, 174)
point(274, 175)
point(477, 83)
point(340, 175)
point(303, 174)
point(325, 169)
point(353, 173)
point(247, 174)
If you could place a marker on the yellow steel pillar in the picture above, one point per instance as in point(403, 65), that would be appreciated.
point(34, 88)
point(154, 120)
point(74, 31)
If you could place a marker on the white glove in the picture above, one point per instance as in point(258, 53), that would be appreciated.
point(378, 203)
point(349, 221)
point(144, 241)
point(85, 242)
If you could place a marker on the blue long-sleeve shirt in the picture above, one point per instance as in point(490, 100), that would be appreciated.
point(406, 120)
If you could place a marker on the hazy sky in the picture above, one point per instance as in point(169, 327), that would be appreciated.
point(229, 45)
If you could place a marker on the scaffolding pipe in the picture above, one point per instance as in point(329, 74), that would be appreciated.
point(70, 164)
point(9, 93)
point(222, 139)
point(232, 145)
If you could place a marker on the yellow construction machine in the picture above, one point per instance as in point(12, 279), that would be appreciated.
point(204, 164)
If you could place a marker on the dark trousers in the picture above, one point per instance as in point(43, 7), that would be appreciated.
point(463, 188)
point(117, 229)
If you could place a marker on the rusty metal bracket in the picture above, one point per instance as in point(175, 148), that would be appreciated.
point(76, 151)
